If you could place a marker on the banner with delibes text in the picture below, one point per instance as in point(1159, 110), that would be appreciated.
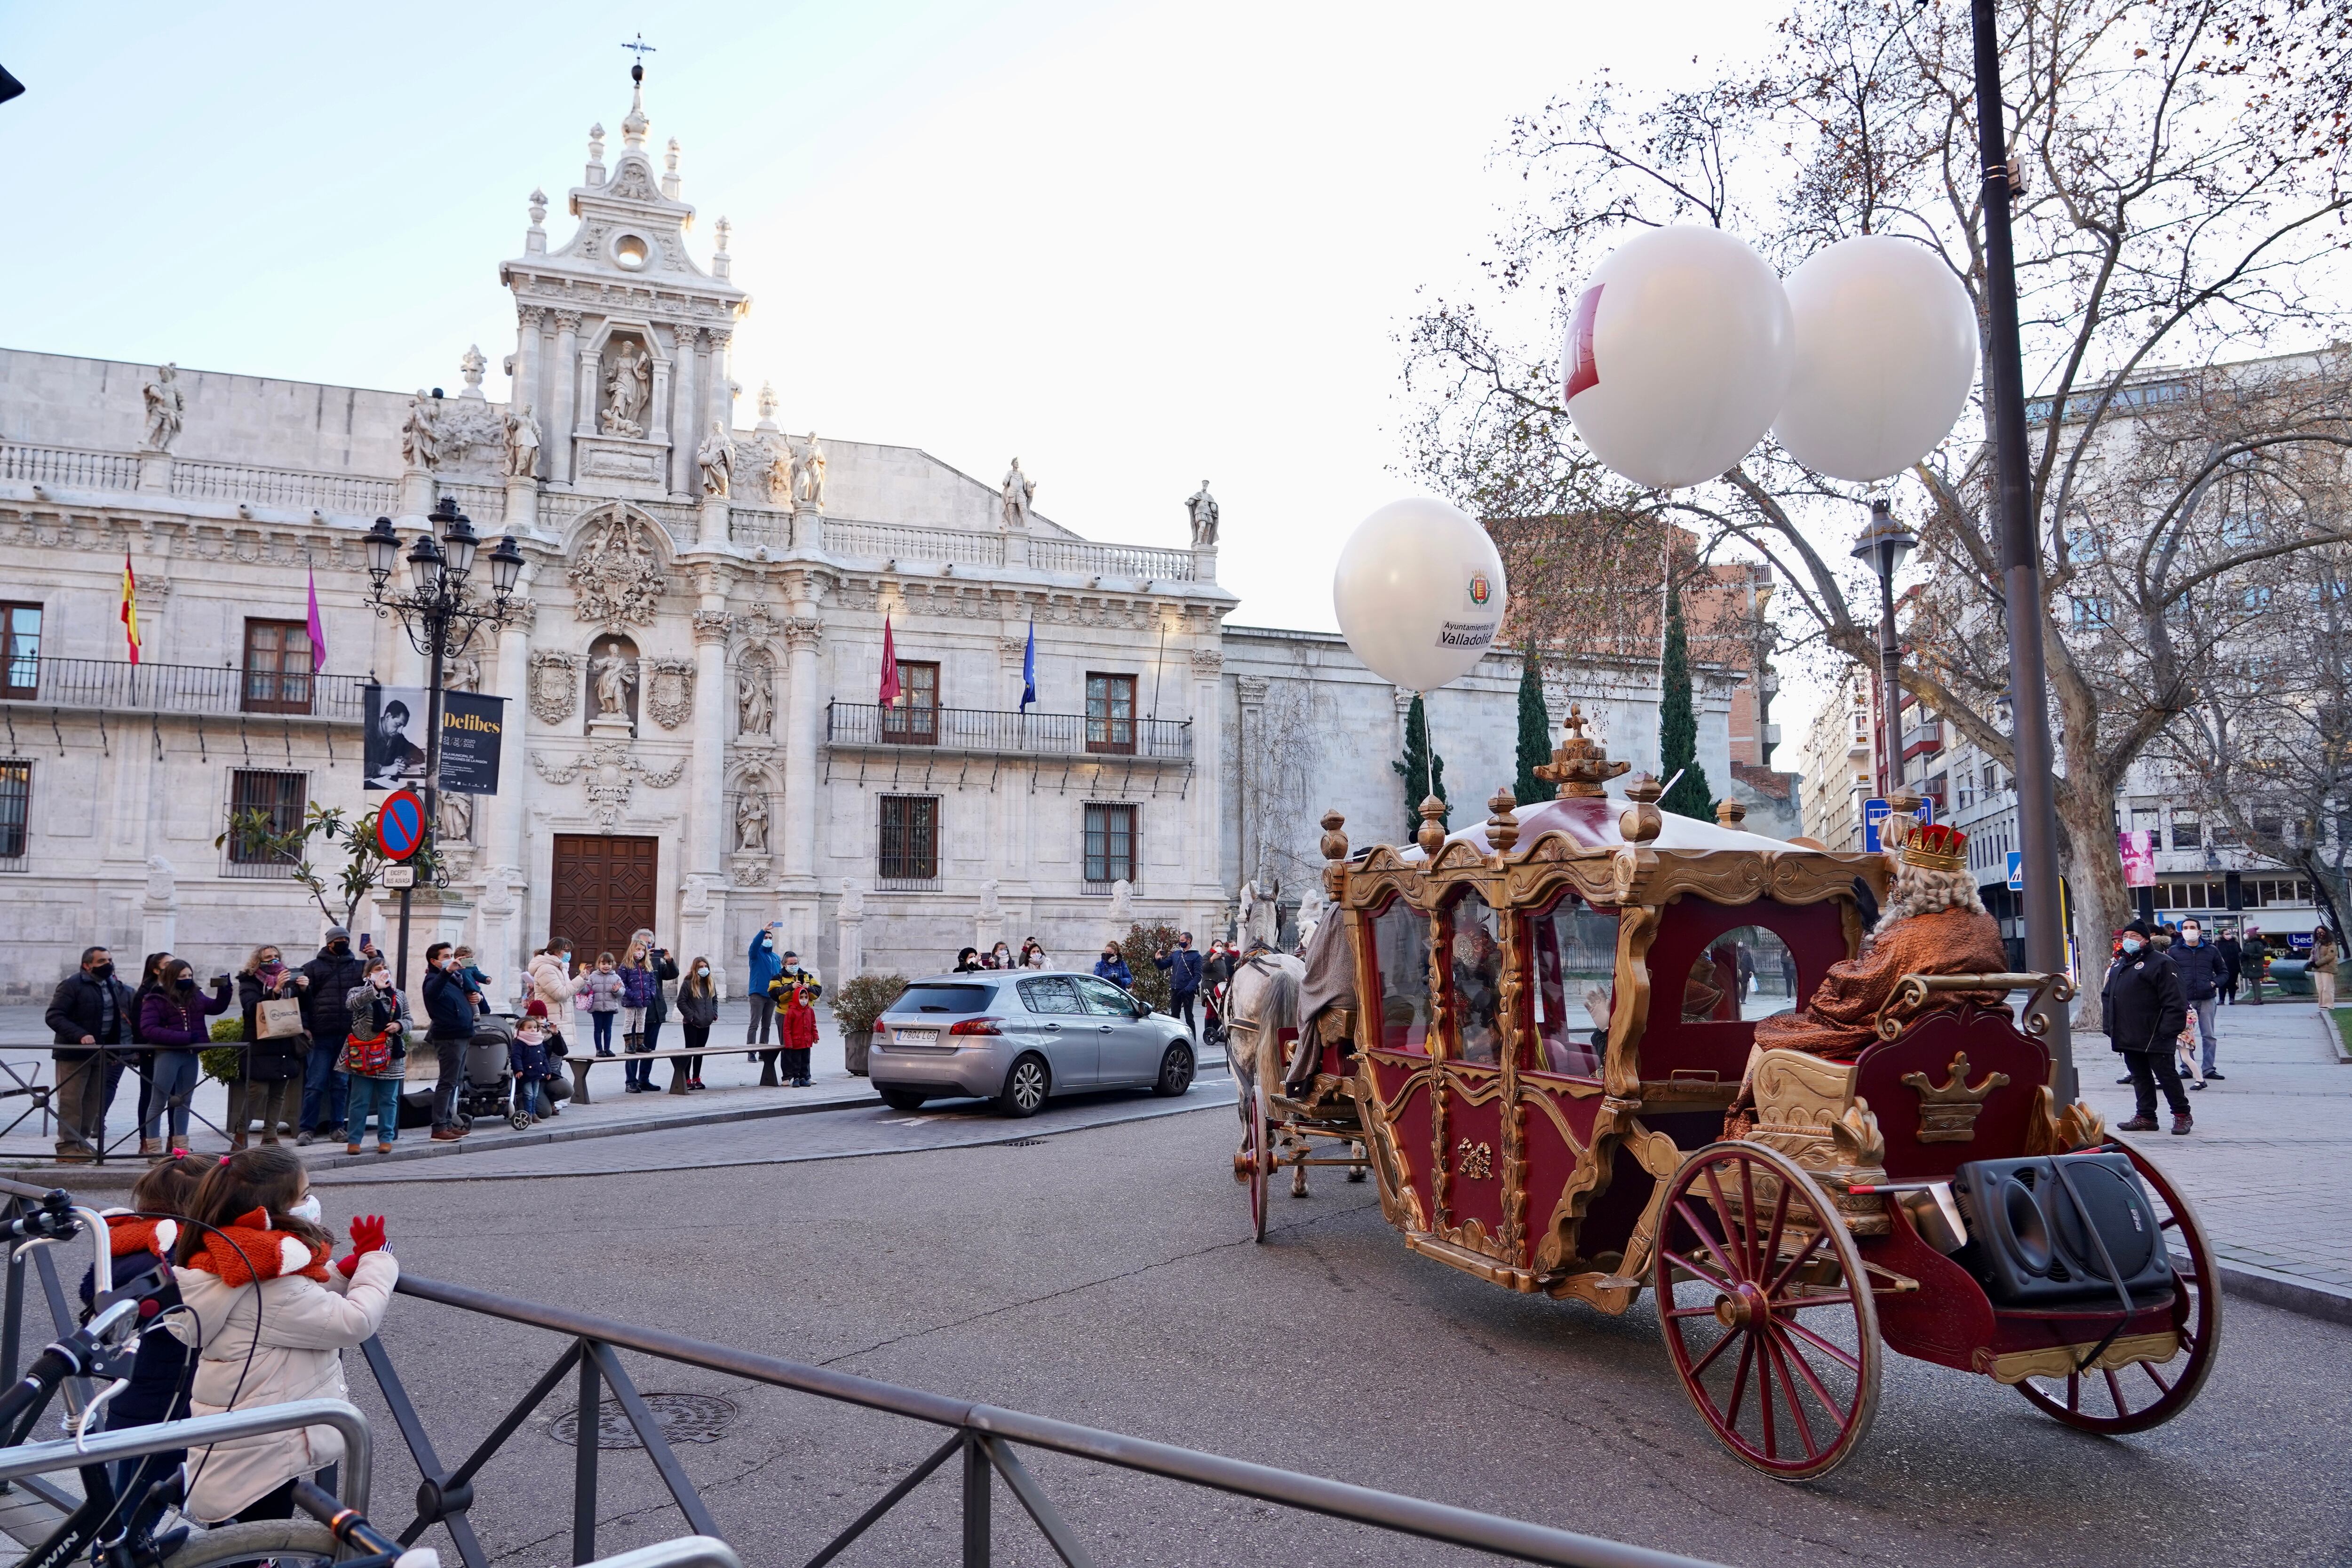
point(472, 729)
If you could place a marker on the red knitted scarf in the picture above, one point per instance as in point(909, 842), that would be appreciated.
point(245, 1250)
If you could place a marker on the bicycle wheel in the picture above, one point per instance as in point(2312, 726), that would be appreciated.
point(284, 1541)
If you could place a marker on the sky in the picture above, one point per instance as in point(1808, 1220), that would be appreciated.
point(1136, 245)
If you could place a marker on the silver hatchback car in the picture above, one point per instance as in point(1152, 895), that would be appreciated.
point(1019, 1036)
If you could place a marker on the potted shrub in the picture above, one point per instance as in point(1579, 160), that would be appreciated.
point(857, 1004)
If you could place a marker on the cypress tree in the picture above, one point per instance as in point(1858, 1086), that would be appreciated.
point(1678, 723)
point(1534, 734)
point(1423, 771)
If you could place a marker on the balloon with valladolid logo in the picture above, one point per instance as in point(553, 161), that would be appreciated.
point(1420, 592)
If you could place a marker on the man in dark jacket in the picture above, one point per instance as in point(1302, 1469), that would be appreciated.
point(449, 1015)
point(2203, 974)
point(332, 976)
point(1184, 967)
point(2234, 959)
point(90, 1009)
point(2142, 1012)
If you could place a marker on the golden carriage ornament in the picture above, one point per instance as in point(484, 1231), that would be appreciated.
point(1538, 1029)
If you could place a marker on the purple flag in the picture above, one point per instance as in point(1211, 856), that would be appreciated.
point(318, 628)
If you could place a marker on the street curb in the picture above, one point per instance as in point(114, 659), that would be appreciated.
point(129, 1170)
point(2334, 1035)
point(2272, 1288)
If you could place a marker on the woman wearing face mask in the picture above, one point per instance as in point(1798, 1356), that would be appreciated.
point(175, 1018)
point(1111, 966)
point(272, 1318)
point(1032, 954)
point(698, 1009)
point(1000, 956)
point(270, 1086)
point(2142, 1010)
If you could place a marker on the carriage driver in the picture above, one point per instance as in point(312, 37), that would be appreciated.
point(1933, 923)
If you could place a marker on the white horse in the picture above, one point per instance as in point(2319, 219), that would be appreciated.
point(1261, 1003)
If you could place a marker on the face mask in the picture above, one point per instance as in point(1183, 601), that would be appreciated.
point(768, 942)
point(308, 1210)
point(2191, 938)
point(339, 946)
point(102, 970)
point(186, 982)
point(2132, 944)
point(701, 969)
point(379, 980)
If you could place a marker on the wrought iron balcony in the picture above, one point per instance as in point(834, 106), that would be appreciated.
point(118, 686)
point(986, 731)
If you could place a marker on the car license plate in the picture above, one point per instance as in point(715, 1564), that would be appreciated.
point(915, 1037)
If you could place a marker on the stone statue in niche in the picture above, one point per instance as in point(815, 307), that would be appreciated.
point(779, 471)
point(1019, 489)
point(456, 812)
point(463, 672)
point(629, 388)
point(716, 457)
point(755, 700)
point(811, 491)
point(615, 672)
point(420, 439)
point(1202, 510)
point(752, 822)
point(166, 406)
point(522, 444)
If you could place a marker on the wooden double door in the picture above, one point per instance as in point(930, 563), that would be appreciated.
point(601, 890)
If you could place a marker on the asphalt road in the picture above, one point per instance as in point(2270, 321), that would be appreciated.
point(1106, 1275)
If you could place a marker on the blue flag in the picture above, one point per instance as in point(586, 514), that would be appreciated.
point(1029, 668)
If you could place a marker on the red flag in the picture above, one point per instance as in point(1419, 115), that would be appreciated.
point(129, 608)
point(889, 666)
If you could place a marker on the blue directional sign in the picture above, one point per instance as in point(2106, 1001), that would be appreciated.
point(1873, 812)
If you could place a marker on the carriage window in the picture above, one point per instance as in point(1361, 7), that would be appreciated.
point(1476, 956)
point(1574, 952)
point(1400, 948)
point(1746, 973)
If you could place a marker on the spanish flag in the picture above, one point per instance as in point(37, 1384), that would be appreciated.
point(129, 608)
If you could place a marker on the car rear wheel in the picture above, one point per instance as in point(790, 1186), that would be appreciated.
point(903, 1099)
point(1175, 1072)
point(1025, 1087)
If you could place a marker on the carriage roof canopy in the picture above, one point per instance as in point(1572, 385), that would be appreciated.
point(1591, 821)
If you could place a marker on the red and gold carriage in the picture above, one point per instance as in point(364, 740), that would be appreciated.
point(1549, 1014)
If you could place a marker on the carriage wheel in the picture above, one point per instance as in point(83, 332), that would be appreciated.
point(1260, 1160)
point(2147, 1394)
point(1766, 1310)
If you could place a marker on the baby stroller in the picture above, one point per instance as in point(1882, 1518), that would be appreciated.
point(487, 1088)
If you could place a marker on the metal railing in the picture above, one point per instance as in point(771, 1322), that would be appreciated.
point(986, 1440)
point(1006, 732)
point(121, 686)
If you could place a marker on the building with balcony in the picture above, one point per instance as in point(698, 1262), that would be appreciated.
point(737, 579)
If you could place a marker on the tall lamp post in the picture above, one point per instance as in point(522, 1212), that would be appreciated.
point(1883, 547)
point(442, 617)
point(2020, 555)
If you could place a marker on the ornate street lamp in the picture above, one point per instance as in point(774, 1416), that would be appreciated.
point(1883, 546)
point(441, 618)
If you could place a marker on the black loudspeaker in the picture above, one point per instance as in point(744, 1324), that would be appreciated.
point(2030, 1236)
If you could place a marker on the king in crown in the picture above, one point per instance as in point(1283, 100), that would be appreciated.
point(1932, 923)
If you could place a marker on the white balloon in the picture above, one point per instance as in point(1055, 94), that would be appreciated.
point(1887, 351)
point(1677, 355)
point(1419, 592)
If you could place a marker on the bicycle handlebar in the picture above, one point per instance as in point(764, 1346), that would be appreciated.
point(73, 1356)
point(347, 1524)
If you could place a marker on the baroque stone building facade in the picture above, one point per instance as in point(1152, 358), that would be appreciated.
point(692, 740)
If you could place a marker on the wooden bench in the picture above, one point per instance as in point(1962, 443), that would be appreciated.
point(581, 1061)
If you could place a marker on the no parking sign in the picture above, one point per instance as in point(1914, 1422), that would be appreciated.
point(400, 824)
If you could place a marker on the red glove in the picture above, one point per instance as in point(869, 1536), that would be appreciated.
point(367, 1236)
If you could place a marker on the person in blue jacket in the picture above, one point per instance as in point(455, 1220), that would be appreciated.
point(1184, 967)
point(766, 964)
point(1111, 966)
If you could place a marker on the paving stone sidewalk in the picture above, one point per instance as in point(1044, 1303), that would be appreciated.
point(2267, 1165)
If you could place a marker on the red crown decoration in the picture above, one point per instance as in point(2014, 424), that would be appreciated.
point(1937, 847)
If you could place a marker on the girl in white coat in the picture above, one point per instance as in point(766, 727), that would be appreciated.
point(273, 1317)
